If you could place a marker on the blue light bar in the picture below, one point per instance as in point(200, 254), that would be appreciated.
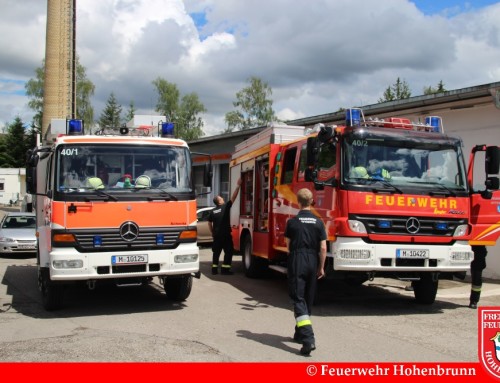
point(74, 127)
point(441, 226)
point(160, 239)
point(167, 129)
point(97, 241)
point(384, 224)
point(435, 122)
point(353, 117)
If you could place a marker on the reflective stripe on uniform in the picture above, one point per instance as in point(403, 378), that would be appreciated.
point(226, 266)
point(303, 320)
point(476, 288)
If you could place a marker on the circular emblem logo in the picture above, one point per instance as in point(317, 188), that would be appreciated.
point(129, 231)
point(412, 225)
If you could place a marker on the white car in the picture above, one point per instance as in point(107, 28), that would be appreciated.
point(18, 233)
point(204, 233)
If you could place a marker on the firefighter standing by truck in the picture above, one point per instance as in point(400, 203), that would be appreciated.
point(221, 232)
point(306, 243)
point(476, 270)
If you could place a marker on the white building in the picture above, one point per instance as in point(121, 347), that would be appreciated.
point(12, 185)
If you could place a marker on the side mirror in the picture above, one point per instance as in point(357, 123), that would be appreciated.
point(492, 160)
point(207, 175)
point(325, 134)
point(492, 183)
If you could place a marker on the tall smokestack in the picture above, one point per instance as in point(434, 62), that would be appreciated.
point(58, 92)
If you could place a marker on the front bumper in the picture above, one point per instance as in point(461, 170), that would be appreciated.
point(96, 266)
point(353, 254)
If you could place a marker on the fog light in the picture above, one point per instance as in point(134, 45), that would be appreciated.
point(355, 254)
point(459, 256)
point(68, 264)
point(186, 258)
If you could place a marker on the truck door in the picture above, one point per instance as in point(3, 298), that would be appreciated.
point(485, 198)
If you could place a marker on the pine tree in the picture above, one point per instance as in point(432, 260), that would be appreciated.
point(111, 115)
point(16, 145)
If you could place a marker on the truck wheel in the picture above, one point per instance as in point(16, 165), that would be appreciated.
point(178, 288)
point(425, 289)
point(255, 267)
point(52, 293)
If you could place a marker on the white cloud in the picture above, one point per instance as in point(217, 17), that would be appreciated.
point(316, 56)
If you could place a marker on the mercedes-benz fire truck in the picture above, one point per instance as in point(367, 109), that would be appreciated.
point(118, 205)
point(394, 195)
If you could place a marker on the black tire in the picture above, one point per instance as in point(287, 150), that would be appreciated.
point(255, 267)
point(52, 293)
point(178, 288)
point(425, 289)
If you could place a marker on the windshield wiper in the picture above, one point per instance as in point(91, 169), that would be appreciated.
point(163, 193)
point(444, 190)
point(392, 188)
point(100, 193)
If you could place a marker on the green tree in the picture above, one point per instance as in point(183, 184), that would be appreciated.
point(111, 114)
point(14, 146)
point(254, 107)
point(129, 115)
point(84, 91)
point(438, 89)
point(189, 124)
point(183, 112)
point(397, 91)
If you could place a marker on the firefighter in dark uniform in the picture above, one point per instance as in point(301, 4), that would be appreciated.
point(220, 227)
point(305, 237)
point(476, 270)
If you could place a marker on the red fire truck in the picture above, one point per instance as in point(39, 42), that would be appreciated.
point(395, 196)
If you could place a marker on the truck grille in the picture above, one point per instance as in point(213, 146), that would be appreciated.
point(398, 225)
point(111, 239)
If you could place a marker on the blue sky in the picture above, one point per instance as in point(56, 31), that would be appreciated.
point(317, 56)
point(450, 7)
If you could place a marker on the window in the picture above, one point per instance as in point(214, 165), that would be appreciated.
point(302, 163)
point(288, 166)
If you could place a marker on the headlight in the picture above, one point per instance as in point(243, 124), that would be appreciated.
point(460, 231)
point(186, 258)
point(5, 239)
point(357, 226)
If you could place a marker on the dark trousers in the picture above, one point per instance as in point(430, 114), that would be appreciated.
point(476, 270)
point(302, 279)
point(223, 243)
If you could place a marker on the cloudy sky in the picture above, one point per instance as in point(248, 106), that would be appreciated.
point(317, 55)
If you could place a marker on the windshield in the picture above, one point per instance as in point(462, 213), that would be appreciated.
point(404, 161)
point(116, 168)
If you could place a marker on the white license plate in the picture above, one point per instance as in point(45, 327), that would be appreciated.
point(26, 247)
point(128, 259)
point(412, 253)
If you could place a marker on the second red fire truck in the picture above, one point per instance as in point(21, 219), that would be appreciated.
point(395, 196)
